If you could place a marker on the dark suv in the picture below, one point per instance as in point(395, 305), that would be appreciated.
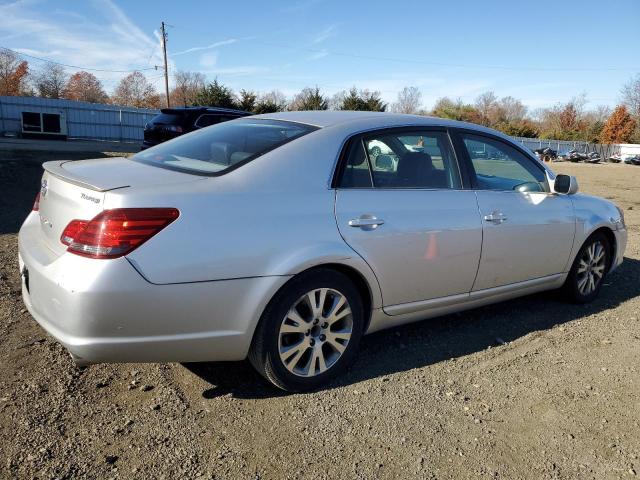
point(173, 122)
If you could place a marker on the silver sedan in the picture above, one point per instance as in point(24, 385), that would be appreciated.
point(286, 237)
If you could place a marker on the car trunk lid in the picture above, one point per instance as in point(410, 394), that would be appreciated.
point(75, 190)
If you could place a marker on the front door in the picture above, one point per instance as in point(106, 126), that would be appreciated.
point(400, 205)
point(527, 231)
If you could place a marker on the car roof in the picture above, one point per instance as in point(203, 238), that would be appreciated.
point(331, 118)
point(203, 109)
point(344, 123)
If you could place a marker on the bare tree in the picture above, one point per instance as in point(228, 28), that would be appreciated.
point(409, 101)
point(51, 80)
point(487, 104)
point(511, 110)
point(187, 87)
point(273, 101)
point(631, 96)
point(134, 90)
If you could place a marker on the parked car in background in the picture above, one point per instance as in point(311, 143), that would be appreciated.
point(173, 122)
point(277, 238)
point(615, 158)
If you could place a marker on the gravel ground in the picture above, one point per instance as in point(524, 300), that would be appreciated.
point(532, 388)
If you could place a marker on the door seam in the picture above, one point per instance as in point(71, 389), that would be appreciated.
point(475, 279)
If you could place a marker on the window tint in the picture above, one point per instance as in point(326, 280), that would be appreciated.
point(420, 159)
point(356, 169)
point(214, 150)
point(499, 166)
point(206, 120)
point(167, 119)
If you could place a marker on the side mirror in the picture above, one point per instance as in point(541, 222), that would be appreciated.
point(565, 184)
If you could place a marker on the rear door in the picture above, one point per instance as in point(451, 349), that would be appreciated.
point(527, 231)
point(400, 205)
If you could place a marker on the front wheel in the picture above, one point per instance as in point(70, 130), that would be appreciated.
point(310, 331)
point(589, 269)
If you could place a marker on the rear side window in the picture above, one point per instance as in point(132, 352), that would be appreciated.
point(356, 172)
point(222, 147)
point(408, 159)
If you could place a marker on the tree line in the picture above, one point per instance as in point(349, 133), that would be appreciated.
point(564, 121)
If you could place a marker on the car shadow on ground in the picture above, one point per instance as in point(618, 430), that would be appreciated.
point(438, 339)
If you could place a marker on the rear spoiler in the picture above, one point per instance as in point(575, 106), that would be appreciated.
point(55, 168)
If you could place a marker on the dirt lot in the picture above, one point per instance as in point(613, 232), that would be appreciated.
point(533, 388)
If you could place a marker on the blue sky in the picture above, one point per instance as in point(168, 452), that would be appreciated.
point(542, 53)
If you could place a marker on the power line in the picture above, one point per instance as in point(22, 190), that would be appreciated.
point(75, 66)
point(442, 64)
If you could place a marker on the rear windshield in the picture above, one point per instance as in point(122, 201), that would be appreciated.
point(223, 147)
point(167, 119)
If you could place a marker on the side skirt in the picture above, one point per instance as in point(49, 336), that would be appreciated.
point(394, 315)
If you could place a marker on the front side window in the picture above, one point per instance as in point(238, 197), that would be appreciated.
point(498, 166)
point(215, 150)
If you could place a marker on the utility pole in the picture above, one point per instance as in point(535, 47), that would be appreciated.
point(166, 68)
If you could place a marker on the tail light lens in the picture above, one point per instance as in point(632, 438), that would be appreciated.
point(174, 128)
point(72, 230)
point(114, 233)
point(36, 203)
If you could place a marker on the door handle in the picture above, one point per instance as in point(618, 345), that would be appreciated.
point(495, 217)
point(366, 222)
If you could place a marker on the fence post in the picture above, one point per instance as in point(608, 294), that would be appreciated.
point(120, 121)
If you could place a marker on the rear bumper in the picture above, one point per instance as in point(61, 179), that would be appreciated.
point(105, 311)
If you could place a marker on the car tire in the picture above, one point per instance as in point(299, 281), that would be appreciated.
point(589, 269)
point(375, 151)
point(292, 337)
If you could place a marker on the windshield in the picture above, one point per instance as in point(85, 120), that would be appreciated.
point(223, 147)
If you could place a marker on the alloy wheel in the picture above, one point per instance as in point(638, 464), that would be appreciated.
point(315, 332)
point(591, 268)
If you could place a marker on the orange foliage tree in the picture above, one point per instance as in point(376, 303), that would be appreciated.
point(84, 87)
point(13, 74)
point(619, 127)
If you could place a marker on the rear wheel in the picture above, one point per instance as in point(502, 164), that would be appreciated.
point(589, 269)
point(309, 332)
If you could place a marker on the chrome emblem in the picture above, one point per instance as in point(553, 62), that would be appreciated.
point(44, 187)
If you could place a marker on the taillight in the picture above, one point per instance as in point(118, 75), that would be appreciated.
point(72, 230)
point(114, 233)
point(174, 128)
point(36, 203)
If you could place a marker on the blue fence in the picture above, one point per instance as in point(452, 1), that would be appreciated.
point(605, 150)
point(77, 119)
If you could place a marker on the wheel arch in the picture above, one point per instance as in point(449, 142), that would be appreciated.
point(366, 285)
point(611, 238)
